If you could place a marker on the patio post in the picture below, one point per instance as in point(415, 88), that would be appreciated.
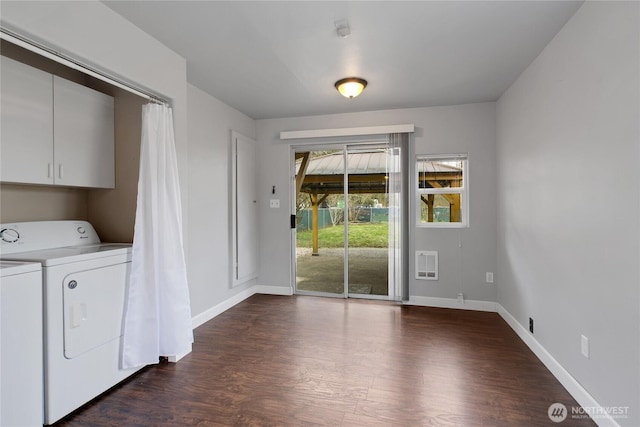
point(314, 223)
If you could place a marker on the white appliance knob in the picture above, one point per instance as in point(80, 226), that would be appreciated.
point(81, 230)
point(9, 235)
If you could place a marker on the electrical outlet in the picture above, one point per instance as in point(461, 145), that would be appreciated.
point(489, 277)
point(584, 346)
point(530, 325)
point(274, 203)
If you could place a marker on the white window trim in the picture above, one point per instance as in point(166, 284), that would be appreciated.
point(463, 191)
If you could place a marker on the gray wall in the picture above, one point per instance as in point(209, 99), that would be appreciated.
point(569, 211)
point(210, 123)
point(465, 254)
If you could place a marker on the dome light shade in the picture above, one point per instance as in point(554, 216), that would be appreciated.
point(351, 86)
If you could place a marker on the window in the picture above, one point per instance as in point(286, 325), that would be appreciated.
point(442, 190)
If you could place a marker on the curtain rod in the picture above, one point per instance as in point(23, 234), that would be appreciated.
point(70, 62)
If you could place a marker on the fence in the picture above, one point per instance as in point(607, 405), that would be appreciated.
point(333, 216)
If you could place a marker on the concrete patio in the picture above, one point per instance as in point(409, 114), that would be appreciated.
point(368, 270)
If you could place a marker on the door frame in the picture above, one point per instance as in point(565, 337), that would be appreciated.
point(373, 142)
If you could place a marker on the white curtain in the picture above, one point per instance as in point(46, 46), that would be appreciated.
point(396, 172)
point(158, 315)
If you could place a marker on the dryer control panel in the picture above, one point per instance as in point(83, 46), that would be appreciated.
point(34, 236)
point(9, 235)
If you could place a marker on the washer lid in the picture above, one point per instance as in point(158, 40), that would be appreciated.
point(69, 254)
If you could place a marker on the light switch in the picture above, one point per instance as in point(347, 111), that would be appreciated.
point(274, 203)
point(584, 346)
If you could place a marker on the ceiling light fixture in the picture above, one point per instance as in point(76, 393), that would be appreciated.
point(351, 86)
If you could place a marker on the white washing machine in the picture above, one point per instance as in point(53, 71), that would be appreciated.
point(84, 286)
point(21, 344)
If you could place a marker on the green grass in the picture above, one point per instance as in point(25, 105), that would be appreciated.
point(360, 236)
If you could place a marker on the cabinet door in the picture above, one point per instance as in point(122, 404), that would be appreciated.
point(83, 136)
point(26, 123)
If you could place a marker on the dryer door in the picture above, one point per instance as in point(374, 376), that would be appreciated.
point(93, 307)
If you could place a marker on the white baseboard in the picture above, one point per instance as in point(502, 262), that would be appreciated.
point(174, 359)
point(574, 388)
point(221, 307)
point(453, 303)
point(236, 299)
point(273, 290)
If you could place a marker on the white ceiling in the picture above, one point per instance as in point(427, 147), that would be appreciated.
point(271, 59)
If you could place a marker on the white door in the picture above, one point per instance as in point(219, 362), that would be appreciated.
point(245, 209)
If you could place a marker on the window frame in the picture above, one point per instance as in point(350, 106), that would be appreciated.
point(463, 190)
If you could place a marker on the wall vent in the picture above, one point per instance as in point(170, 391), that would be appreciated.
point(427, 265)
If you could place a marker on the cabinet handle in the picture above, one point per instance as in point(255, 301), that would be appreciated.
point(49, 170)
point(60, 171)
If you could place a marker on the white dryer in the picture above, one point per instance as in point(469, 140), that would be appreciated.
point(84, 289)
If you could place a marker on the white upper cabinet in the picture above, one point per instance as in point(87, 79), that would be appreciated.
point(26, 123)
point(54, 131)
point(83, 136)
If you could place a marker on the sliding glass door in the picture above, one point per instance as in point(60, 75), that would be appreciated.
point(348, 205)
point(368, 221)
point(320, 227)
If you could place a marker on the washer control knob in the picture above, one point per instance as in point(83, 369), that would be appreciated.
point(9, 235)
point(81, 230)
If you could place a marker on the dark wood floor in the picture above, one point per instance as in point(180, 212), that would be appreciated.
point(304, 361)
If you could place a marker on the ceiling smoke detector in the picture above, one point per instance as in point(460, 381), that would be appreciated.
point(342, 28)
